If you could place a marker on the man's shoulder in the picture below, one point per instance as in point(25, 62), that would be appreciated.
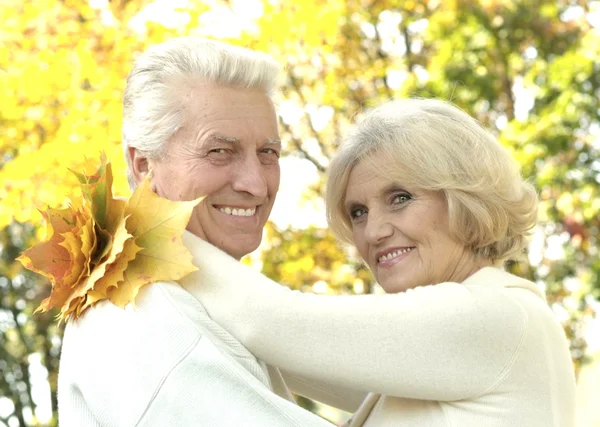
point(111, 338)
point(112, 356)
point(165, 320)
point(158, 305)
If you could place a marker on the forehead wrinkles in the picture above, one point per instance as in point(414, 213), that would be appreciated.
point(359, 184)
point(213, 102)
point(392, 169)
point(375, 166)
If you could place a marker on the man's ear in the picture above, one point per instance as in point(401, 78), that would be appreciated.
point(140, 164)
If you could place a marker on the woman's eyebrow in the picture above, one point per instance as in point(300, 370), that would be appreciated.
point(349, 204)
point(393, 188)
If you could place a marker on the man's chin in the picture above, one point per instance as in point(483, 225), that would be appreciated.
point(238, 248)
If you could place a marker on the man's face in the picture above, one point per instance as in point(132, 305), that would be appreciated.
point(228, 151)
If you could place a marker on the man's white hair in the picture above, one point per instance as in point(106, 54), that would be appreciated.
point(163, 75)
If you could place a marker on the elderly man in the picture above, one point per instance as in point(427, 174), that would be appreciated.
point(199, 115)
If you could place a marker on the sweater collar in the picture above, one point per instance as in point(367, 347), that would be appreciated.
point(494, 276)
point(197, 246)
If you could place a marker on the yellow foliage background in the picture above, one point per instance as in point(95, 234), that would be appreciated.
point(528, 72)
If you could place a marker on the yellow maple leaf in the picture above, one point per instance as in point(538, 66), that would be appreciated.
point(78, 294)
point(157, 225)
point(104, 248)
point(73, 244)
point(113, 275)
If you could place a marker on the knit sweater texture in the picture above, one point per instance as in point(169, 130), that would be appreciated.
point(487, 352)
point(165, 363)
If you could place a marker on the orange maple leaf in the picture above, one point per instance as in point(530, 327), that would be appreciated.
point(103, 248)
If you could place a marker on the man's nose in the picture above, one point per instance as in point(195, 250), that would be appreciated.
point(378, 227)
point(250, 177)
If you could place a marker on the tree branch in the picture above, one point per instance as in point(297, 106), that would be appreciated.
point(313, 132)
point(501, 56)
point(382, 55)
point(24, 363)
point(409, 55)
point(298, 146)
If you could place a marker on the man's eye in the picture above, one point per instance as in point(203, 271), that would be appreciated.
point(269, 156)
point(218, 151)
point(271, 151)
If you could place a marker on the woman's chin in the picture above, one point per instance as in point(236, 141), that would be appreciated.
point(391, 286)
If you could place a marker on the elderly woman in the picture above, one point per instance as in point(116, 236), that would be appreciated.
point(435, 206)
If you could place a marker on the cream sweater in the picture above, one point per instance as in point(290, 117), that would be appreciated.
point(485, 352)
point(167, 364)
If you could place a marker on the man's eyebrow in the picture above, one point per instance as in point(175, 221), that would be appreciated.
point(235, 141)
point(227, 139)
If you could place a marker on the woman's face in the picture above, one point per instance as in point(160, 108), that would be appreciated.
point(402, 233)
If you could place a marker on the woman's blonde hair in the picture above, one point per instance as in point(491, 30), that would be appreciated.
point(432, 145)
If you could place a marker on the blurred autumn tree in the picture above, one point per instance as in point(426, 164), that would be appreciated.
point(529, 70)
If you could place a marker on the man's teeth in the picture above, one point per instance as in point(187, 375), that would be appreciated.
point(394, 254)
point(238, 212)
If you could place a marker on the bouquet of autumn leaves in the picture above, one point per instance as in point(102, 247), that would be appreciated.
point(104, 248)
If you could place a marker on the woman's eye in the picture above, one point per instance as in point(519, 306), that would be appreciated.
point(357, 213)
point(399, 199)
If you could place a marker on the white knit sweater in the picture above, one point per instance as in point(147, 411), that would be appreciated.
point(167, 364)
point(486, 352)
